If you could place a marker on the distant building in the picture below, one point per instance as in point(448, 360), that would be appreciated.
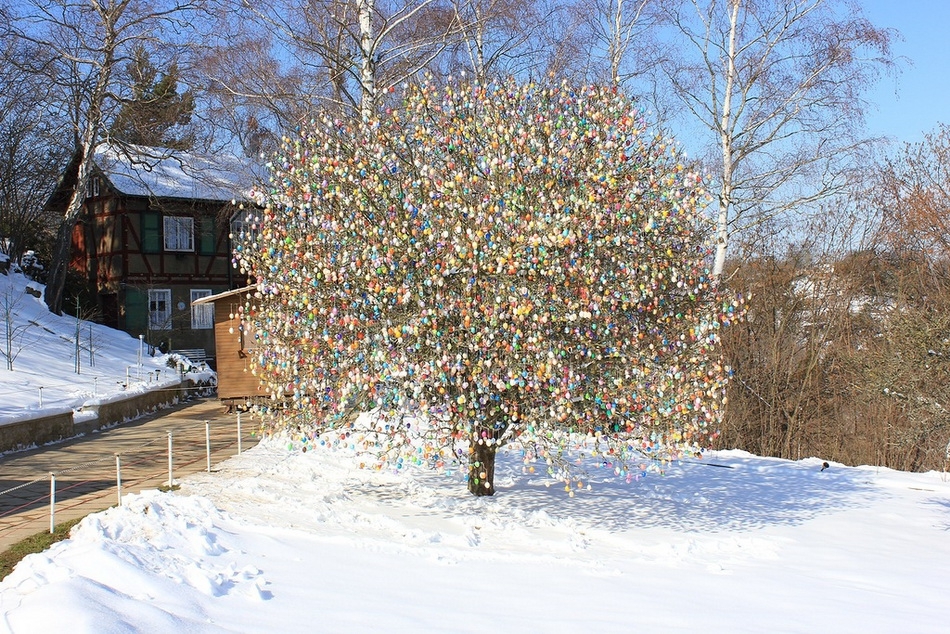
point(153, 237)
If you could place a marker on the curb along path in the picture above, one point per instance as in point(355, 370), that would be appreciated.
point(85, 467)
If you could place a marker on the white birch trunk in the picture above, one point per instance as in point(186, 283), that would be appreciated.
point(56, 281)
point(616, 46)
point(367, 63)
point(725, 134)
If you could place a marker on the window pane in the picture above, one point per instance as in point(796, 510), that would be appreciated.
point(159, 309)
point(202, 315)
point(179, 233)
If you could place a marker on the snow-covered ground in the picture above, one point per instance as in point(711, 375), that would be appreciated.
point(44, 381)
point(285, 540)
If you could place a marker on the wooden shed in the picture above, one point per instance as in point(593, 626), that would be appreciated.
point(236, 382)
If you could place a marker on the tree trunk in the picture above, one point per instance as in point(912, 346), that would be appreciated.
point(615, 48)
point(108, 16)
point(62, 250)
point(727, 139)
point(56, 277)
point(8, 329)
point(481, 469)
point(367, 59)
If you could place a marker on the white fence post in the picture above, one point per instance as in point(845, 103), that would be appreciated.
point(52, 502)
point(170, 459)
point(208, 443)
point(118, 477)
point(239, 432)
point(41, 397)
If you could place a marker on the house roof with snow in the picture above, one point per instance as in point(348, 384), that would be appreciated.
point(162, 173)
point(139, 171)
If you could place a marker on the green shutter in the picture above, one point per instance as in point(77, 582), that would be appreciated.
point(207, 240)
point(136, 310)
point(151, 232)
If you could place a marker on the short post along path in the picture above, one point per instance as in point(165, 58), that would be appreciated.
point(85, 466)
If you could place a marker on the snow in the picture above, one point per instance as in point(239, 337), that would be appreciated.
point(285, 541)
point(280, 539)
point(141, 171)
point(43, 347)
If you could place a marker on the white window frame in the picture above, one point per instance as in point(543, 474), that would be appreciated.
point(202, 315)
point(237, 226)
point(243, 222)
point(159, 318)
point(179, 233)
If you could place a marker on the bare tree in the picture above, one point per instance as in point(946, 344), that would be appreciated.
point(619, 36)
point(775, 89)
point(271, 65)
point(30, 158)
point(79, 48)
point(252, 90)
point(912, 195)
point(14, 327)
point(359, 49)
point(497, 37)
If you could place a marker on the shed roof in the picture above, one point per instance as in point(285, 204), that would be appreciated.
point(208, 299)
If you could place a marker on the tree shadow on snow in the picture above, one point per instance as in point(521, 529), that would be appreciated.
point(943, 505)
point(741, 493)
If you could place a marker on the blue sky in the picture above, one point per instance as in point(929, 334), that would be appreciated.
point(912, 103)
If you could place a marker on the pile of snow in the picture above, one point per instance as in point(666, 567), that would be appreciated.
point(282, 540)
point(44, 381)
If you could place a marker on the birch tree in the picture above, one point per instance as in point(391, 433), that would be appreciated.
point(498, 37)
point(773, 91)
point(363, 49)
point(620, 37)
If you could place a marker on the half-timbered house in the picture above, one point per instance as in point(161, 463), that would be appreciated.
point(154, 236)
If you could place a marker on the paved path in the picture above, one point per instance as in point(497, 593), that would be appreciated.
point(85, 467)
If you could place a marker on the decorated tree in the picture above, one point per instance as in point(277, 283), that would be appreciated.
point(488, 264)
